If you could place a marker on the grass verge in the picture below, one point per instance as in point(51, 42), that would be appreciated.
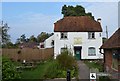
point(94, 64)
point(38, 72)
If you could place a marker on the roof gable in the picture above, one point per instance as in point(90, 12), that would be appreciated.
point(113, 41)
point(77, 24)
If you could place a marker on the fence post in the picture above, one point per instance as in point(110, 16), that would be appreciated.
point(68, 75)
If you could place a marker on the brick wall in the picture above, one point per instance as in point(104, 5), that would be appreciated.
point(108, 59)
point(108, 65)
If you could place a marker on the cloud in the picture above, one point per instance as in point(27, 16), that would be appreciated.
point(34, 23)
point(108, 12)
point(31, 24)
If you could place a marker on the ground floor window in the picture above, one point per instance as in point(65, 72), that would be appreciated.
point(63, 49)
point(115, 57)
point(91, 51)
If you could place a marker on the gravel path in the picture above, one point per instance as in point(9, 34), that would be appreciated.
point(83, 70)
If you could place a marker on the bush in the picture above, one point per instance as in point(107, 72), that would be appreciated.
point(59, 67)
point(66, 60)
point(56, 71)
point(94, 64)
point(104, 78)
point(52, 70)
point(9, 70)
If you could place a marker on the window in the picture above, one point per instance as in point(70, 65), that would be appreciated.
point(115, 57)
point(63, 35)
point(91, 51)
point(91, 35)
point(100, 34)
point(63, 50)
point(52, 43)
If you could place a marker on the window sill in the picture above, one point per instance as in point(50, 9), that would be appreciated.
point(91, 38)
point(63, 38)
point(91, 54)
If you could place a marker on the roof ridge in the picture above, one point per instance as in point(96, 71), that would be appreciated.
point(77, 23)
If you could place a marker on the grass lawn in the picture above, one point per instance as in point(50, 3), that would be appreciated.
point(37, 73)
point(49, 69)
point(94, 65)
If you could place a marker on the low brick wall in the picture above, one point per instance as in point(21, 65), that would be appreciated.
point(28, 54)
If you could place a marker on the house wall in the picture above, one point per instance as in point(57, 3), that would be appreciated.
point(108, 59)
point(47, 43)
point(86, 43)
point(108, 64)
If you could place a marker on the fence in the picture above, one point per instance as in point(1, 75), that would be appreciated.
point(28, 54)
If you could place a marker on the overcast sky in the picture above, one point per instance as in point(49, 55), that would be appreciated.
point(32, 18)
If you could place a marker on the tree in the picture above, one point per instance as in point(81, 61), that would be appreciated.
point(4, 33)
point(75, 11)
point(32, 39)
point(8, 45)
point(23, 38)
point(43, 36)
point(20, 40)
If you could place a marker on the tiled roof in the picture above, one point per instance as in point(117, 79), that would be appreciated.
point(77, 24)
point(29, 44)
point(113, 41)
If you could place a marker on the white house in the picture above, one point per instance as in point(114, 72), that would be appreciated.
point(49, 43)
point(81, 35)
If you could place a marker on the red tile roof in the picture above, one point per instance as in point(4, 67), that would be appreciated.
point(77, 24)
point(113, 41)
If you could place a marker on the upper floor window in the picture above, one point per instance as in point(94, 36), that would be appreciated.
point(63, 35)
point(91, 51)
point(91, 35)
point(100, 34)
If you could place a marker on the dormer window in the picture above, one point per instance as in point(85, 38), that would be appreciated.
point(91, 35)
point(63, 35)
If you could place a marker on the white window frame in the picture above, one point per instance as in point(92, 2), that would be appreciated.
point(63, 49)
point(100, 34)
point(63, 35)
point(91, 35)
point(91, 49)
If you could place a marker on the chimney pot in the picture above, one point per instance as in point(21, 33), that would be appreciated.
point(99, 20)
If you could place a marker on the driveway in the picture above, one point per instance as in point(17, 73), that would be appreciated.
point(83, 70)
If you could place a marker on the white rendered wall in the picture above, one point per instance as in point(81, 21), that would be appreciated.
point(48, 42)
point(86, 43)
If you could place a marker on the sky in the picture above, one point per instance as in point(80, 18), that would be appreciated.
point(32, 18)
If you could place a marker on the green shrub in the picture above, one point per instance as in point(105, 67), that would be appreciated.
point(9, 70)
point(59, 67)
point(66, 60)
point(104, 78)
point(94, 64)
point(55, 71)
point(52, 70)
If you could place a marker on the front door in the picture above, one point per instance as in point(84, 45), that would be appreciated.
point(77, 51)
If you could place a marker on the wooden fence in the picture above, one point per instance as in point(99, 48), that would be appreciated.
point(28, 54)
